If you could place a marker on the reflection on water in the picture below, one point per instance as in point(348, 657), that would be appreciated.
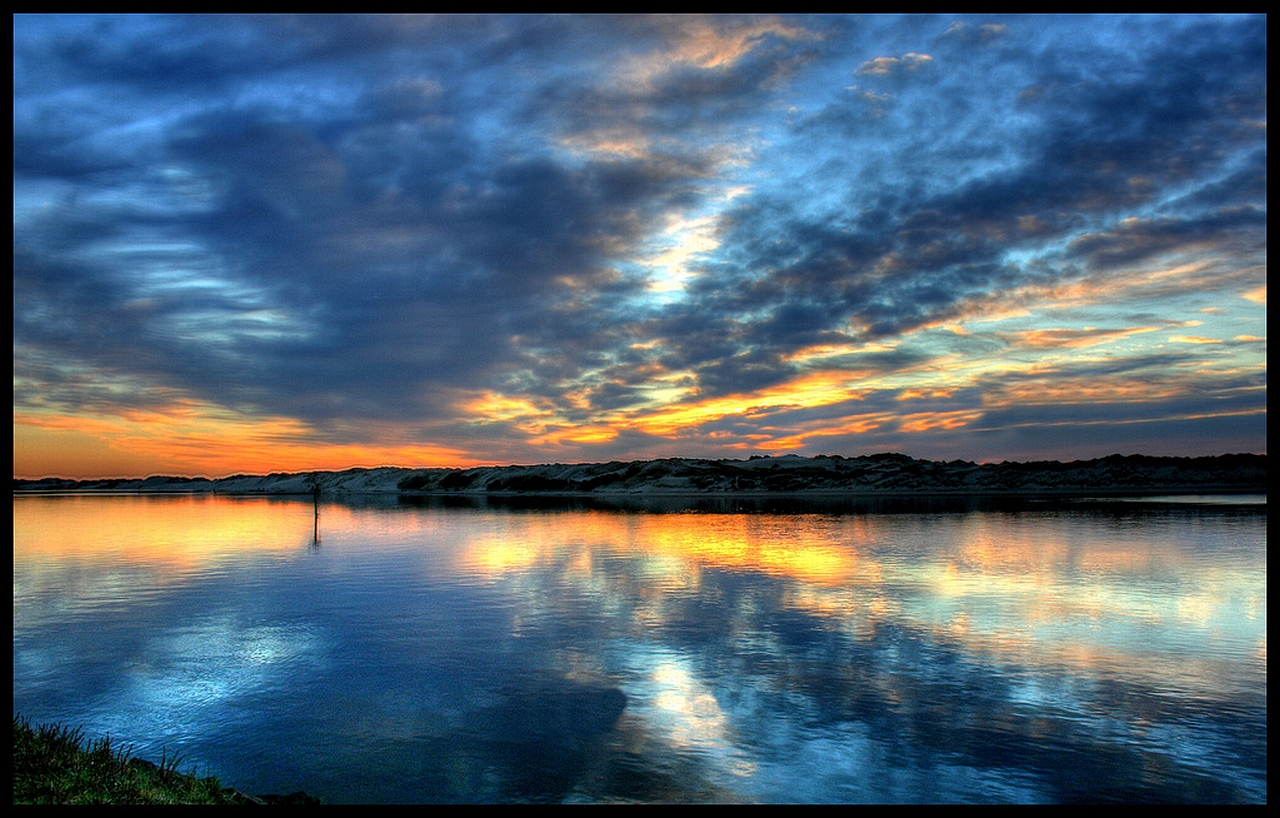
point(733, 650)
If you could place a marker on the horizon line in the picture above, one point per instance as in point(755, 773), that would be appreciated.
point(601, 462)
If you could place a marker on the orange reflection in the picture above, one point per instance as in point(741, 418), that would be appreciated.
point(155, 531)
point(743, 542)
point(1026, 590)
point(793, 547)
point(1022, 592)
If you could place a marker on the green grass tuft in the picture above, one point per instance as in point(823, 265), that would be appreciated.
point(53, 764)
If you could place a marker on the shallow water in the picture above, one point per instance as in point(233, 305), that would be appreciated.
point(733, 651)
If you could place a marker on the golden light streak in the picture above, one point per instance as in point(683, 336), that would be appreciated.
point(1103, 288)
point(860, 424)
point(1059, 338)
point(492, 407)
point(1080, 390)
point(736, 542)
point(815, 389)
point(926, 393)
point(682, 544)
point(1127, 421)
point(928, 421)
point(191, 438)
point(819, 352)
point(554, 435)
point(840, 427)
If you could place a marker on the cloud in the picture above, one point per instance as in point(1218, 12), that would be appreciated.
point(1059, 338)
point(410, 223)
point(1134, 240)
point(895, 66)
point(975, 34)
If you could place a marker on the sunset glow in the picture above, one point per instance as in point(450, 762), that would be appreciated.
point(274, 243)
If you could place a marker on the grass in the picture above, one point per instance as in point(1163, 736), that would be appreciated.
point(53, 764)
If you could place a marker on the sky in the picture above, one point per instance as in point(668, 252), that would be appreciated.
point(246, 244)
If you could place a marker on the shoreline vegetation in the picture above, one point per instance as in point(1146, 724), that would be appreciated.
point(886, 475)
point(54, 764)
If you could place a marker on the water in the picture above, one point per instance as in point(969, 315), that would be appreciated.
point(733, 651)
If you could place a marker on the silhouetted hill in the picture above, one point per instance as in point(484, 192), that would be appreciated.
point(878, 474)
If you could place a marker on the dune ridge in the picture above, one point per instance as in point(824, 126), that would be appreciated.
point(888, 474)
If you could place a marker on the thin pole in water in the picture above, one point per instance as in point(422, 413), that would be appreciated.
point(315, 499)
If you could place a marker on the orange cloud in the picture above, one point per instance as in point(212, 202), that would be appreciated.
point(1043, 391)
point(925, 394)
point(1059, 338)
point(558, 435)
point(838, 427)
point(928, 421)
point(192, 438)
point(492, 407)
point(816, 389)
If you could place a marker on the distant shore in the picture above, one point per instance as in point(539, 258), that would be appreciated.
point(879, 475)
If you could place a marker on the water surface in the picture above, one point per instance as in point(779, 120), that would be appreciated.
point(731, 651)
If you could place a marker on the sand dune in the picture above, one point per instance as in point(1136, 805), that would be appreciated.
point(880, 474)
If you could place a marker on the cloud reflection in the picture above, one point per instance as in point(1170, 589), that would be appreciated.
point(916, 657)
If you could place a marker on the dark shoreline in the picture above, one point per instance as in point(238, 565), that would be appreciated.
point(869, 476)
point(827, 503)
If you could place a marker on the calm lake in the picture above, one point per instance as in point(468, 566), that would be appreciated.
point(730, 651)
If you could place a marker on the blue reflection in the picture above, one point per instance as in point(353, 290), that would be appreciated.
point(1088, 653)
